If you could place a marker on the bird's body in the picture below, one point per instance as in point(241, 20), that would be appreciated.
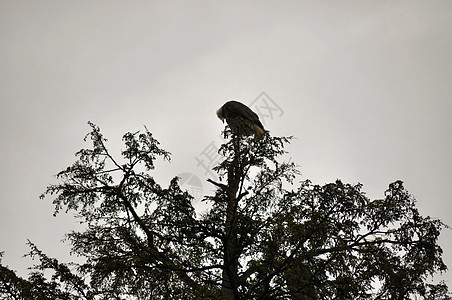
point(241, 119)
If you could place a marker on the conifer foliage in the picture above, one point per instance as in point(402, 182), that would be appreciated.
point(265, 234)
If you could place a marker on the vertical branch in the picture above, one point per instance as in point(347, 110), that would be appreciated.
point(230, 240)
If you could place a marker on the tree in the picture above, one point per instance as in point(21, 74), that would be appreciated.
point(259, 239)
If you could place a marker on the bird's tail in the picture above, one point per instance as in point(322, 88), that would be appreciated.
point(258, 131)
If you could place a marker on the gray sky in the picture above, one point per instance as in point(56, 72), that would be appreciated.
point(364, 86)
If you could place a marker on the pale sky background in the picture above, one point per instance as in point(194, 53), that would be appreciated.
point(364, 86)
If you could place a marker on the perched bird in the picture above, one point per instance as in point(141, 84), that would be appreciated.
point(241, 119)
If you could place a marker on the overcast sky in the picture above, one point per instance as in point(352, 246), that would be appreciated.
point(364, 86)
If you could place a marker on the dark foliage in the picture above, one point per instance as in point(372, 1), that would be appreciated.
point(259, 239)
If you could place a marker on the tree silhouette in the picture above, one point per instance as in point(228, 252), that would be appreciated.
point(260, 237)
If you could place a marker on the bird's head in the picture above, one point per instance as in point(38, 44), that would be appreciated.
point(220, 114)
